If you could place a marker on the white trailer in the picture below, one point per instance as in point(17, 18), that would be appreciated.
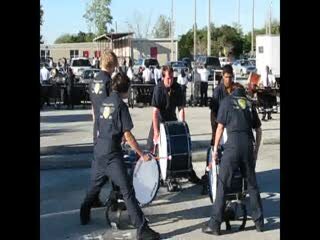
point(268, 54)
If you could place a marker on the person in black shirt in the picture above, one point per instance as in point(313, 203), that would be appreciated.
point(99, 89)
point(167, 96)
point(239, 117)
point(69, 85)
point(219, 93)
point(114, 123)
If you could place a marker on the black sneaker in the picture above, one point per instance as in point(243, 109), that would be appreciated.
point(194, 178)
point(146, 233)
point(84, 214)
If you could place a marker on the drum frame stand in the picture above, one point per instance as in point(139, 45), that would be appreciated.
point(172, 185)
point(114, 198)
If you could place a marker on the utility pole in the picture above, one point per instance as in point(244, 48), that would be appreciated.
point(195, 31)
point(252, 35)
point(209, 35)
point(172, 30)
point(238, 13)
point(270, 17)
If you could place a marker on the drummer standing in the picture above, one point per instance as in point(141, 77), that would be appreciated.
point(267, 82)
point(220, 92)
point(99, 89)
point(239, 117)
point(114, 123)
point(167, 96)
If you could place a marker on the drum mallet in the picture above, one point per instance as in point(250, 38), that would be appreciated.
point(167, 158)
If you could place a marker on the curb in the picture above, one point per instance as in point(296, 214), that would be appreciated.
point(84, 159)
point(88, 148)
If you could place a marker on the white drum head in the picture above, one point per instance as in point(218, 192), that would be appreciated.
point(213, 174)
point(163, 152)
point(146, 180)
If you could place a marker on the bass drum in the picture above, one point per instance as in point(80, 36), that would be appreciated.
point(174, 149)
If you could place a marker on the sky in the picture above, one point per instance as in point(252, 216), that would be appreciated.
point(66, 16)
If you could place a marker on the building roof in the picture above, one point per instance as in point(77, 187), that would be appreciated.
point(112, 36)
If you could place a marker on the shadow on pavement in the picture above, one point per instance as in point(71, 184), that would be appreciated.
point(52, 132)
point(66, 118)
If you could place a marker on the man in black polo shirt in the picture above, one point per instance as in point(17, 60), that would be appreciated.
point(220, 92)
point(239, 117)
point(167, 96)
point(99, 89)
point(114, 123)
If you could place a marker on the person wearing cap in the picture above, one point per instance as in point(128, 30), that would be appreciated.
point(238, 116)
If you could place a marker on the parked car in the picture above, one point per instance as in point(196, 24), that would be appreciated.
point(178, 66)
point(87, 75)
point(212, 64)
point(143, 63)
point(187, 61)
point(78, 65)
point(243, 67)
point(224, 61)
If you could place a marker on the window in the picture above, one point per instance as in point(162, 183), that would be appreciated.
point(74, 53)
point(260, 49)
point(45, 53)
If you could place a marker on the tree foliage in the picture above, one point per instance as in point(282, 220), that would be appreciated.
point(98, 15)
point(75, 38)
point(225, 37)
point(162, 27)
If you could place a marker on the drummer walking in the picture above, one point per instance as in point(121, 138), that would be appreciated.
point(237, 115)
point(114, 123)
point(167, 96)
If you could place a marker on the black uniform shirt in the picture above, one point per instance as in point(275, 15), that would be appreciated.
point(99, 90)
point(167, 100)
point(114, 120)
point(219, 93)
point(237, 114)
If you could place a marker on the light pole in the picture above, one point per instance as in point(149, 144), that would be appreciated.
point(195, 31)
point(252, 35)
point(172, 30)
point(238, 12)
point(208, 35)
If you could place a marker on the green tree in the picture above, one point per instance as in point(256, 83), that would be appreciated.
point(98, 14)
point(75, 38)
point(275, 29)
point(41, 22)
point(162, 27)
point(65, 38)
point(185, 45)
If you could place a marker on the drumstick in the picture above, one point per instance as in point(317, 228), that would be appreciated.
point(168, 158)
